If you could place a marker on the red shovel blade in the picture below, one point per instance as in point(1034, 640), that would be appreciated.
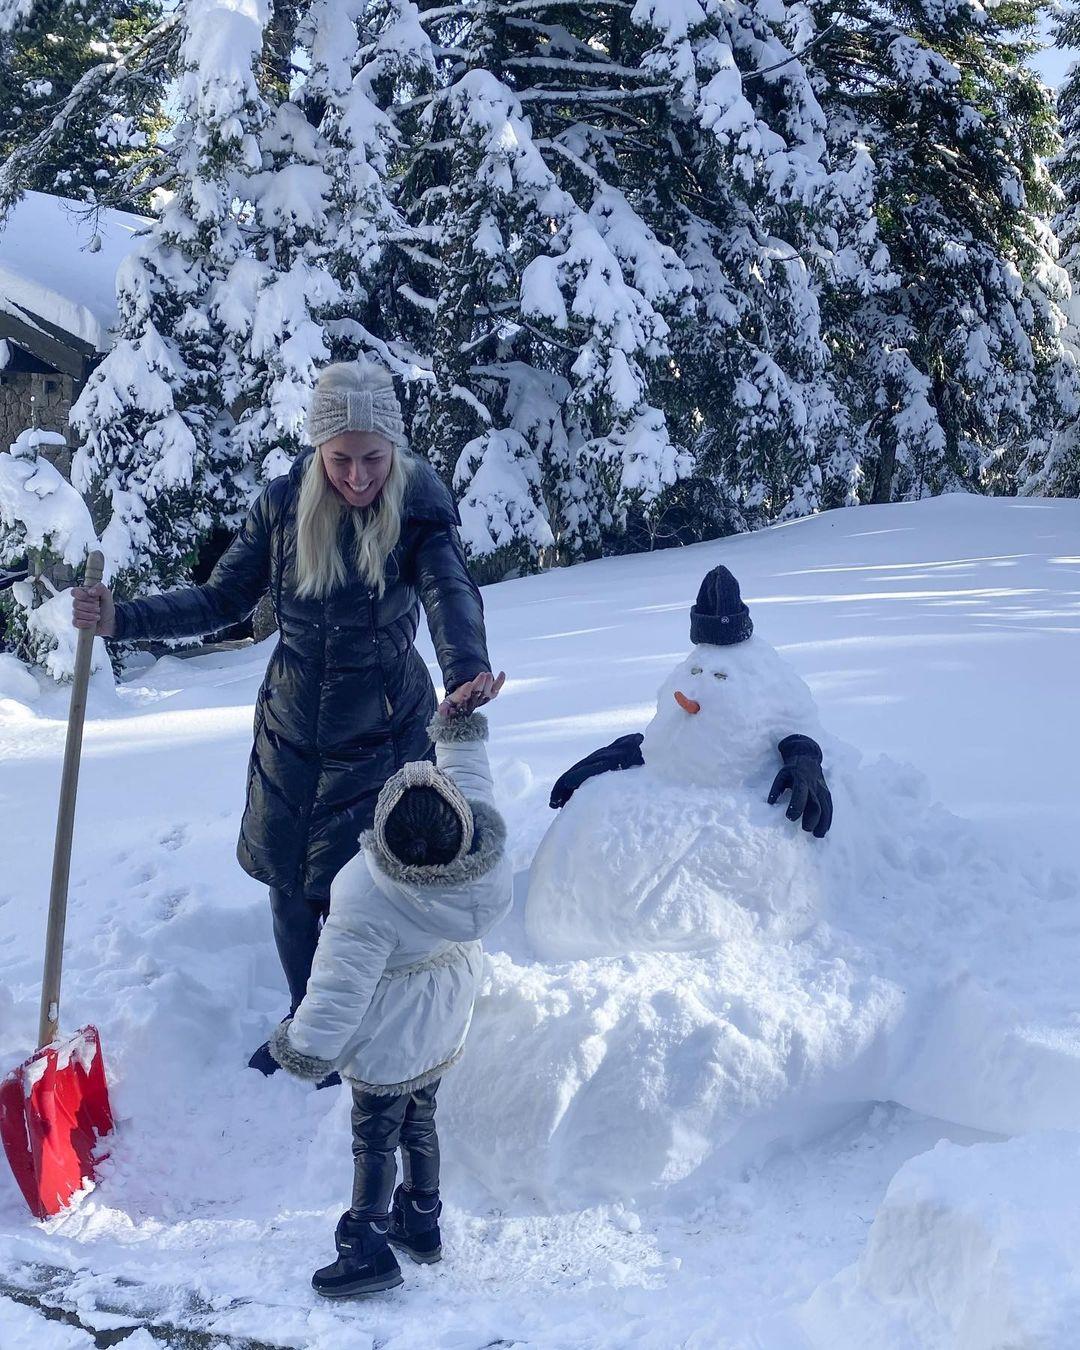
point(53, 1109)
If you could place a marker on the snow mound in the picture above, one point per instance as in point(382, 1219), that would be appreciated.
point(976, 1246)
point(25, 1329)
point(611, 1079)
point(16, 682)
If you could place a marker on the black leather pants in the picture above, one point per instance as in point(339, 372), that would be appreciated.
point(296, 932)
point(380, 1125)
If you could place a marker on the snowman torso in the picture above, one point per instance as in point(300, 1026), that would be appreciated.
point(637, 863)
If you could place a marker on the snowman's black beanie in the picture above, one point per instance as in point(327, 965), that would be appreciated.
point(720, 618)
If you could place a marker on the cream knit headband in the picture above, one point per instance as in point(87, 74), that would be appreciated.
point(422, 773)
point(336, 410)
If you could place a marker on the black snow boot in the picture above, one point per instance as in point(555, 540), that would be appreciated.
point(414, 1224)
point(365, 1263)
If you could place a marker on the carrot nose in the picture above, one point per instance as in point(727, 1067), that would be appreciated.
point(690, 705)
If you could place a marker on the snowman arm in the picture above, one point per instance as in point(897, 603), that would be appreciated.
point(623, 753)
point(811, 800)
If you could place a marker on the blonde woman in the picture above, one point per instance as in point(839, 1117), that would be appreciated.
point(349, 544)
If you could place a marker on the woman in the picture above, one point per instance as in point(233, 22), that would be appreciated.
point(346, 544)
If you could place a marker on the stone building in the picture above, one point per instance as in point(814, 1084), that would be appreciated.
point(58, 265)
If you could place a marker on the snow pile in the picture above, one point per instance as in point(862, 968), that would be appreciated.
point(973, 1247)
point(17, 685)
point(24, 1329)
point(734, 984)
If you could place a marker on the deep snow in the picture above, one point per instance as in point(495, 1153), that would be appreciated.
point(943, 633)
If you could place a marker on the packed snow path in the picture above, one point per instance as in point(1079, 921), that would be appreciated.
point(943, 633)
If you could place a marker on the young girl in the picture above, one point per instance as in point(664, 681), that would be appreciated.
point(392, 988)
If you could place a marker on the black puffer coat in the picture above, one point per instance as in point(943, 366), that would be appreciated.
point(347, 698)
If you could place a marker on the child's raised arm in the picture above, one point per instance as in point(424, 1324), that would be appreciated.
point(461, 753)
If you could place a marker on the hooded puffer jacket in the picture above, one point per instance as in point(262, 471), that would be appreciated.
point(399, 959)
point(347, 698)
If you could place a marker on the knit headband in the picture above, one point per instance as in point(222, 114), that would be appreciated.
point(422, 773)
point(336, 410)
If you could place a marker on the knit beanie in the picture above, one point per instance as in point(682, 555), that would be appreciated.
point(355, 396)
point(720, 618)
point(422, 773)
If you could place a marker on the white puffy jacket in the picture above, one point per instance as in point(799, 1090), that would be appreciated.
point(398, 964)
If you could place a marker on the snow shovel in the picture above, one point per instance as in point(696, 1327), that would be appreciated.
point(55, 1106)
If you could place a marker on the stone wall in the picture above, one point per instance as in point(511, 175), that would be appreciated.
point(24, 393)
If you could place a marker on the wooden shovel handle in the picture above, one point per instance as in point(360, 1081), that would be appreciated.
point(65, 822)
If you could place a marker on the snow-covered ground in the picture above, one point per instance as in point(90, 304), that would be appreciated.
point(942, 633)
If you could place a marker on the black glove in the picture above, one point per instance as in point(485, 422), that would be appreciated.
point(625, 753)
point(810, 796)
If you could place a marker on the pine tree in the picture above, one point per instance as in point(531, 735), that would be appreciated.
point(158, 462)
point(316, 216)
point(48, 52)
point(45, 526)
point(541, 343)
point(749, 196)
point(1054, 468)
point(956, 376)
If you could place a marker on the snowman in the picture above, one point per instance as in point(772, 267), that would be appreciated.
point(685, 852)
point(714, 983)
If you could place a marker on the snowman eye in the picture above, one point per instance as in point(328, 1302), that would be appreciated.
point(720, 674)
point(695, 670)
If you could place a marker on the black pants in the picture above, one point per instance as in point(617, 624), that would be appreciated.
point(296, 932)
point(380, 1125)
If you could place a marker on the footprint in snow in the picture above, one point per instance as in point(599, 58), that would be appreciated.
point(175, 838)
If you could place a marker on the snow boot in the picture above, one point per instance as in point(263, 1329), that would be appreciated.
point(365, 1264)
point(414, 1224)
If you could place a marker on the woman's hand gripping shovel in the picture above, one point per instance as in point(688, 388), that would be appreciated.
point(54, 1107)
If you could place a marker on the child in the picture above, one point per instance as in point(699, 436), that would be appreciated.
point(391, 992)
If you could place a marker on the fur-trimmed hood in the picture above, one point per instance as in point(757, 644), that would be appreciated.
point(459, 900)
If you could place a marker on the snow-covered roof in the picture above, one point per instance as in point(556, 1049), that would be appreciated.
point(48, 273)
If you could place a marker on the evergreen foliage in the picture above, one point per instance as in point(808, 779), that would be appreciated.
point(647, 270)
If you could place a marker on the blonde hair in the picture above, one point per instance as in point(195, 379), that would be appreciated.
point(321, 511)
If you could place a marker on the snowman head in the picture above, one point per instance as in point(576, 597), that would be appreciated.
point(722, 711)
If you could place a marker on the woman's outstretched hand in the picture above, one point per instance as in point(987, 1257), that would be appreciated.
point(467, 697)
point(93, 608)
